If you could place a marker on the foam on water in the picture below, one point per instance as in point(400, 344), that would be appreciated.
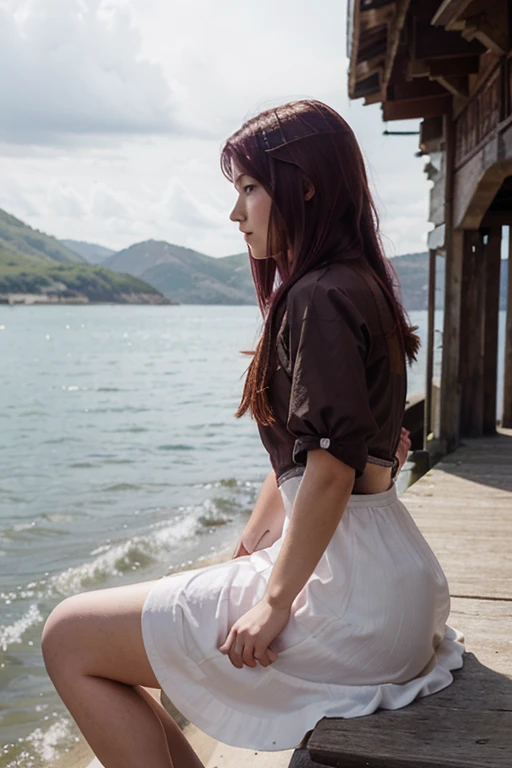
point(14, 633)
point(41, 747)
point(111, 560)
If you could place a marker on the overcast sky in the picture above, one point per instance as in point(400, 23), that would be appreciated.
point(113, 113)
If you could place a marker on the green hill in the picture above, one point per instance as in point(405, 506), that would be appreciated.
point(186, 275)
point(194, 278)
point(35, 267)
point(90, 252)
point(20, 238)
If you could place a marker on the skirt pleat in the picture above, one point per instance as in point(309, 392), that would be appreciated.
point(368, 630)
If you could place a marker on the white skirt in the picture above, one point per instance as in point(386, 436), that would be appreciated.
point(368, 630)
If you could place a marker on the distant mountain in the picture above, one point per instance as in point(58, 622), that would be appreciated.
point(194, 278)
point(19, 237)
point(412, 270)
point(90, 252)
point(185, 275)
point(182, 274)
point(37, 268)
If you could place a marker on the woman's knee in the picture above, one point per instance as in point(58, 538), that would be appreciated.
point(99, 633)
point(61, 632)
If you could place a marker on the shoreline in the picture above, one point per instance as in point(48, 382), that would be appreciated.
point(43, 300)
point(82, 755)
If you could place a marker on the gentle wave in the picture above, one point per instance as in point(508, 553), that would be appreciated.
point(115, 559)
point(41, 747)
point(14, 633)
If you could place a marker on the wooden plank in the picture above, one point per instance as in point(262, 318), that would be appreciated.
point(415, 108)
point(463, 506)
point(433, 43)
point(491, 321)
point(467, 725)
point(429, 420)
point(419, 88)
point(507, 386)
point(449, 10)
point(471, 370)
point(454, 243)
point(459, 65)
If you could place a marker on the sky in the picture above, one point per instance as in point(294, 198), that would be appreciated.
point(113, 114)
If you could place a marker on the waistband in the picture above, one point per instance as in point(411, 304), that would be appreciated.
point(289, 486)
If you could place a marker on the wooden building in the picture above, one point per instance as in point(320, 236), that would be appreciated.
point(450, 63)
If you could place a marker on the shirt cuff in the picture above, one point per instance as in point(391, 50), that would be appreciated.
point(353, 455)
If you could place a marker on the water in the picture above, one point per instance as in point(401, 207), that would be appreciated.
point(120, 461)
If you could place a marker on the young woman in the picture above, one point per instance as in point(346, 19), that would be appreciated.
point(334, 605)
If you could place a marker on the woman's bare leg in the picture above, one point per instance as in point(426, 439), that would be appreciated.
point(94, 653)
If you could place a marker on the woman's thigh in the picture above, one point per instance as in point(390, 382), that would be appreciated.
point(99, 633)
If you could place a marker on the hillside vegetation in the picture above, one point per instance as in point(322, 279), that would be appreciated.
point(36, 267)
point(194, 278)
point(185, 275)
point(91, 253)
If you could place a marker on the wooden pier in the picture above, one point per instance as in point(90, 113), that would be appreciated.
point(464, 509)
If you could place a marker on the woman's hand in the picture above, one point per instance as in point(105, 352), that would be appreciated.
point(249, 638)
point(404, 446)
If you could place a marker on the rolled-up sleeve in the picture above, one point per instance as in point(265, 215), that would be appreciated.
point(329, 403)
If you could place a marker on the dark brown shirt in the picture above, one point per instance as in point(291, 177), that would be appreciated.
point(340, 382)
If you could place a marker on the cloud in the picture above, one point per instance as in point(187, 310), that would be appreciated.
point(65, 201)
point(184, 210)
point(106, 204)
point(72, 69)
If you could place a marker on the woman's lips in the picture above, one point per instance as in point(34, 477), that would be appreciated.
point(247, 236)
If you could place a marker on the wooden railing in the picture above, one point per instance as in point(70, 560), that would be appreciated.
point(481, 116)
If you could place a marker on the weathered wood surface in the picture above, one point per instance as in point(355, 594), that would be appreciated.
point(467, 725)
point(463, 506)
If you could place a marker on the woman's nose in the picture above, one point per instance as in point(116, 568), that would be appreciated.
point(237, 213)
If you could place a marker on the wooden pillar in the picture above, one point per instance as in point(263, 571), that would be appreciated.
point(450, 384)
point(454, 244)
point(507, 385)
point(491, 324)
point(471, 363)
point(429, 416)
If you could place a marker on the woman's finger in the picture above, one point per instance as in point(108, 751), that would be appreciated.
point(235, 654)
point(265, 657)
point(226, 645)
point(248, 655)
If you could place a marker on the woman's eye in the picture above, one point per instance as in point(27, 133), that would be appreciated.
point(248, 187)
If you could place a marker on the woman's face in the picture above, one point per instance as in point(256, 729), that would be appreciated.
point(252, 211)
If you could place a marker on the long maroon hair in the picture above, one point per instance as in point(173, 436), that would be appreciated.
point(285, 149)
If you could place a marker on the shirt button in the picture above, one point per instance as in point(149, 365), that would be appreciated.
point(324, 442)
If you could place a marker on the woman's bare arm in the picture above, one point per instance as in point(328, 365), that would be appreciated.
point(317, 510)
point(265, 524)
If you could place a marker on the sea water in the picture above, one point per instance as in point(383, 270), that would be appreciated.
point(120, 461)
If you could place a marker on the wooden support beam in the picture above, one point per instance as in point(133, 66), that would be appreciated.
point(471, 362)
point(454, 243)
point(429, 415)
point(414, 108)
point(433, 43)
point(377, 17)
point(450, 384)
point(453, 67)
point(449, 10)
point(507, 385)
point(497, 218)
point(493, 36)
point(420, 88)
point(491, 321)
point(457, 86)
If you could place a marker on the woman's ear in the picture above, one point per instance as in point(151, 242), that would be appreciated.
point(309, 189)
